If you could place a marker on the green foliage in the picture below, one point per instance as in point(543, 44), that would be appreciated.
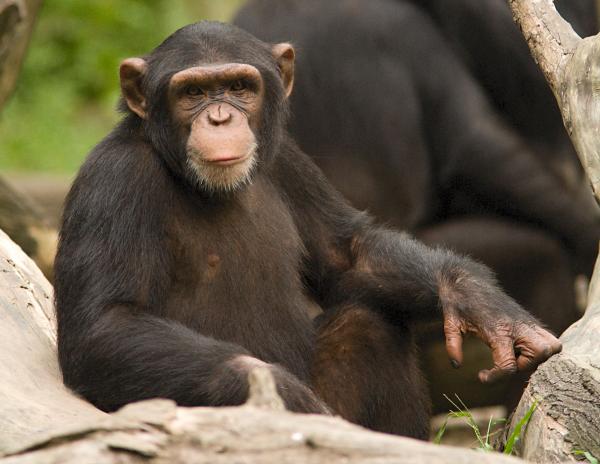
point(64, 102)
point(462, 412)
point(483, 440)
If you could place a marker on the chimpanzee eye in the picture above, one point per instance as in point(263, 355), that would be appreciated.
point(193, 90)
point(238, 85)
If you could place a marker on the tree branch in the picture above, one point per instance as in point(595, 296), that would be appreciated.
point(571, 67)
point(17, 18)
point(551, 39)
point(567, 387)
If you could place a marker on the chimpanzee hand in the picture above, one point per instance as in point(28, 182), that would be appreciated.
point(476, 306)
point(295, 394)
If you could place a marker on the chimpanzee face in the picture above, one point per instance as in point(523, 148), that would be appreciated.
point(216, 111)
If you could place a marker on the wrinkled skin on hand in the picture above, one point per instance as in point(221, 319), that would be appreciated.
point(517, 340)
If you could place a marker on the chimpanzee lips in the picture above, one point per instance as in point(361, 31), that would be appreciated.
point(227, 160)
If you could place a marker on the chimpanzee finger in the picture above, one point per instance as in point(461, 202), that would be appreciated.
point(504, 361)
point(453, 341)
point(535, 345)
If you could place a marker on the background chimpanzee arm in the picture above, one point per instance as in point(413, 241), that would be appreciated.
point(478, 153)
point(116, 345)
point(352, 260)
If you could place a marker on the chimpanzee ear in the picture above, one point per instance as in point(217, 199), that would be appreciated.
point(132, 72)
point(284, 55)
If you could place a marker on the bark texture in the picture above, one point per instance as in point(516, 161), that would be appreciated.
point(43, 422)
point(567, 390)
point(567, 387)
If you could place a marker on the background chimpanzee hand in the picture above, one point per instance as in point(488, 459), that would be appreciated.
point(518, 343)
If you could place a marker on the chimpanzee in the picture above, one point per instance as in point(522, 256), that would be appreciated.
point(198, 236)
point(399, 126)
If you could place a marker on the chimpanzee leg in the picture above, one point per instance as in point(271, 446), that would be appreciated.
point(366, 370)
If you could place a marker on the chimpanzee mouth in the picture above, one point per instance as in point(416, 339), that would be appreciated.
point(228, 161)
point(197, 156)
point(226, 174)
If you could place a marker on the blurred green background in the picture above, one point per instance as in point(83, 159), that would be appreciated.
point(68, 89)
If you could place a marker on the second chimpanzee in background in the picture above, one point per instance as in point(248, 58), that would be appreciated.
point(197, 237)
point(401, 124)
point(485, 37)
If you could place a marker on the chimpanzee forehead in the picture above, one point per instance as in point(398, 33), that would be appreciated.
point(209, 42)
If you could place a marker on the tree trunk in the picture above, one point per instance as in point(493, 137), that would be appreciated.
point(567, 387)
point(41, 421)
point(17, 18)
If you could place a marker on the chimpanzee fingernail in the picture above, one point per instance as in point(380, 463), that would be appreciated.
point(454, 363)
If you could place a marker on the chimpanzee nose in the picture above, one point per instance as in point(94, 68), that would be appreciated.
point(218, 115)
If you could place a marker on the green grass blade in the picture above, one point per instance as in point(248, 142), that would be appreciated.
point(516, 434)
point(487, 434)
point(591, 459)
point(440, 433)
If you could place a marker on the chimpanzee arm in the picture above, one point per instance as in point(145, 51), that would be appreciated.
point(353, 260)
point(477, 151)
point(126, 355)
point(403, 277)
